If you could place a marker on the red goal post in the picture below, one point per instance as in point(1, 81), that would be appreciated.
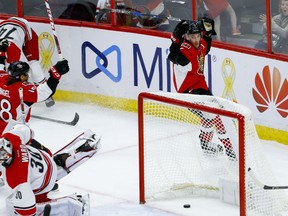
point(169, 125)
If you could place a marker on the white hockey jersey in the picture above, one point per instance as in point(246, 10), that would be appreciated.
point(31, 172)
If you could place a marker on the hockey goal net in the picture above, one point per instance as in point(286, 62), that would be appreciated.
point(203, 145)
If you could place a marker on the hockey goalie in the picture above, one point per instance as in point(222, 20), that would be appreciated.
point(32, 171)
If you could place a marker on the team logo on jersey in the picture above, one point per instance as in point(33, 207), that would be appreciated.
point(228, 74)
point(47, 47)
point(271, 92)
point(201, 63)
point(101, 62)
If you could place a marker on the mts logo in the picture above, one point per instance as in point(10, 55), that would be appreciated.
point(152, 71)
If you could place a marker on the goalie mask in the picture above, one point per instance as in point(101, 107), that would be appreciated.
point(5, 151)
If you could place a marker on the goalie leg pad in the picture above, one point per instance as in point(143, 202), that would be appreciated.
point(77, 152)
point(66, 206)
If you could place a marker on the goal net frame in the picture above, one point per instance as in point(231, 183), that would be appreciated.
point(241, 140)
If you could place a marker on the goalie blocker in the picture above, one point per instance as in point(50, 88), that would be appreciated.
point(38, 171)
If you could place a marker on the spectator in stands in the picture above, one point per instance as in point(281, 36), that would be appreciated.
point(146, 9)
point(215, 8)
point(279, 29)
point(81, 10)
point(153, 7)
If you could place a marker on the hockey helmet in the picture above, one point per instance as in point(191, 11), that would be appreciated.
point(5, 151)
point(194, 27)
point(18, 68)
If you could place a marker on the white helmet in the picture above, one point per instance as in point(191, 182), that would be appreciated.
point(5, 151)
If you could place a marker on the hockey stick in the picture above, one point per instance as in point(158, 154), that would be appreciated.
point(260, 184)
point(72, 123)
point(130, 11)
point(47, 210)
point(20, 90)
point(53, 28)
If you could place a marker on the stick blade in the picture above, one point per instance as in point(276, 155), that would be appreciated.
point(75, 120)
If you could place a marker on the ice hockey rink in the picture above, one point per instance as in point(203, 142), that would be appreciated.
point(111, 176)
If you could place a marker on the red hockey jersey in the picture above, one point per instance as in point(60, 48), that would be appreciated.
point(10, 102)
point(191, 76)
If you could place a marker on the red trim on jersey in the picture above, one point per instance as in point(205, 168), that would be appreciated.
point(17, 171)
point(30, 210)
point(47, 176)
point(30, 49)
point(13, 53)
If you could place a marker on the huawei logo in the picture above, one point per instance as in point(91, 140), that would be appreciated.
point(270, 92)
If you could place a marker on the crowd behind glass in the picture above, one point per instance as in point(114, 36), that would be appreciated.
point(243, 22)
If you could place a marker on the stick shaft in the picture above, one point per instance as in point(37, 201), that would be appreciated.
point(53, 28)
point(136, 13)
point(22, 104)
point(260, 184)
point(72, 123)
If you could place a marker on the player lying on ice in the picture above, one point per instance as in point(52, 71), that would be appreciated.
point(32, 172)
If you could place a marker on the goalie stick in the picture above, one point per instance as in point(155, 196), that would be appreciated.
point(260, 184)
point(72, 123)
point(47, 210)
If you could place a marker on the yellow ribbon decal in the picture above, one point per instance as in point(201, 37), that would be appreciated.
point(228, 74)
point(47, 47)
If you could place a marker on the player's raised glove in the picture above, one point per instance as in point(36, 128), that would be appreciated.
point(3, 48)
point(208, 26)
point(180, 29)
point(59, 69)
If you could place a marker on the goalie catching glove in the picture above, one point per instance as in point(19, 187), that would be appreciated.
point(59, 69)
point(208, 26)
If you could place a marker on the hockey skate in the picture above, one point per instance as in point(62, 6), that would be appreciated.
point(49, 102)
point(229, 149)
point(207, 146)
point(77, 152)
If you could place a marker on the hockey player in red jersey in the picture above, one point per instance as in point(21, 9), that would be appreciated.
point(31, 172)
point(17, 94)
point(191, 42)
point(23, 46)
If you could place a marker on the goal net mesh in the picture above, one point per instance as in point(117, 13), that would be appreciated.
point(190, 151)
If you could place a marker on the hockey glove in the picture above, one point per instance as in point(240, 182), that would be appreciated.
point(59, 69)
point(3, 48)
point(180, 29)
point(208, 26)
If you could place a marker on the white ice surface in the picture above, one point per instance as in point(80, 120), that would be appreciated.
point(111, 177)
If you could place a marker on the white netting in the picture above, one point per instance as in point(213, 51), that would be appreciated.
point(186, 152)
